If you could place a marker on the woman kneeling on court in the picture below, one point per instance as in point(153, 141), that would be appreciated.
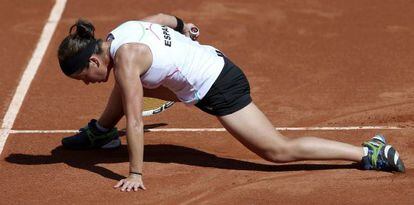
point(157, 55)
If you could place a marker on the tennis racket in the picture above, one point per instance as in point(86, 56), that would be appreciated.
point(153, 106)
point(194, 33)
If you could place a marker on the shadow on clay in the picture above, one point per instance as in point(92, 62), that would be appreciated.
point(160, 153)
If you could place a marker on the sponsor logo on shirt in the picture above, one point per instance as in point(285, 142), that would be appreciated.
point(167, 36)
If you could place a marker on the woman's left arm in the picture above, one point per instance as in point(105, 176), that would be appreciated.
point(131, 61)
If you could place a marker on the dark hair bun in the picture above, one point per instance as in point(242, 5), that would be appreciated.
point(84, 29)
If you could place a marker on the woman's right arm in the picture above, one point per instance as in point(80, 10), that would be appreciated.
point(163, 19)
point(171, 21)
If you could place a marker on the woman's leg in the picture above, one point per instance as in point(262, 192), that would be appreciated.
point(114, 111)
point(251, 127)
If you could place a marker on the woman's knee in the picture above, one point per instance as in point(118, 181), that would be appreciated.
point(278, 153)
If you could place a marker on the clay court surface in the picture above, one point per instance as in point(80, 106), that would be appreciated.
point(310, 63)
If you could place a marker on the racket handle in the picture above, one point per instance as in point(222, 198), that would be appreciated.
point(194, 33)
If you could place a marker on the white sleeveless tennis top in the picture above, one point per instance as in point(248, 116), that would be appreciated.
point(178, 63)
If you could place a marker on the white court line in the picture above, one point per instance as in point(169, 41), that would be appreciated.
point(30, 71)
point(221, 129)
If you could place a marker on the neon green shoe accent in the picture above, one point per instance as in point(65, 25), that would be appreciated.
point(375, 149)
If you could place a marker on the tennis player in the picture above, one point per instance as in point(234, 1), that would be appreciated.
point(156, 57)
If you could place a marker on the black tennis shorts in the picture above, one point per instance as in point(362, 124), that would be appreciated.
point(229, 93)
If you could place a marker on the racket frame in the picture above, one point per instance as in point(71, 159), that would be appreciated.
point(158, 110)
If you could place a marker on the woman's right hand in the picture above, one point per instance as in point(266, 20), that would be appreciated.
point(132, 182)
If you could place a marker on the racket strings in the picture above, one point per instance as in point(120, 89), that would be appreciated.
point(152, 103)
